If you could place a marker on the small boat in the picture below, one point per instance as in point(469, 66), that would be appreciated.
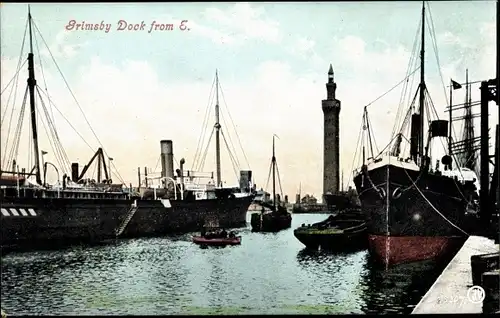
point(343, 231)
point(213, 235)
point(201, 240)
point(274, 216)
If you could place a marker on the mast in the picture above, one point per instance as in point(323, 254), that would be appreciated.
point(342, 182)
point(217, 130)
point(422, 88)
point(468, 122)
point(273, 162)
point(31, 87)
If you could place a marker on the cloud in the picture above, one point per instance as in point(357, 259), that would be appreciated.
point(60, 48)
point(237, 24)
point(131, 109)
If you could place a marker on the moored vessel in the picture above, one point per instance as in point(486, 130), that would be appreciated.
point(35, 213)
point(416, 210)
point(179, 201)
point(344, 231)
point(274, 216)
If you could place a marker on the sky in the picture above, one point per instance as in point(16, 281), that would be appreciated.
point(137, 87)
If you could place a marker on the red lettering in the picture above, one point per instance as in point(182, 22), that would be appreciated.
point(122, 25)
point(183, 26)
point(70, 25)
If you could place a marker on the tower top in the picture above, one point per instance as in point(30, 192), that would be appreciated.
point(330, 74)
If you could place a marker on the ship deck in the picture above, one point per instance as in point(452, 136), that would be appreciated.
point(449, 293)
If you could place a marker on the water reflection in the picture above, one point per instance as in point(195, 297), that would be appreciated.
point(268, 274)
point(377, 290)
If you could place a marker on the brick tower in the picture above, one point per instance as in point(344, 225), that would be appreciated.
point(331, 111)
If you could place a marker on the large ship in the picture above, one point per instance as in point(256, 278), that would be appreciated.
point(181, 202)
point(33, 212)
point(417, 211)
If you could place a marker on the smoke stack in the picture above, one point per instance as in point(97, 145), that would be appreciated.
point(245, 180)
point(74, 172)
point(167, 158)
point(181, 164)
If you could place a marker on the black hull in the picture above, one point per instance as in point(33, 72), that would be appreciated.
point(270, 222)
point(36, 222)
point(334, 242)
point(400, 209)
point(153, 218)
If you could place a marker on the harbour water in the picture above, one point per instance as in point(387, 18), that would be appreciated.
point(267, 274)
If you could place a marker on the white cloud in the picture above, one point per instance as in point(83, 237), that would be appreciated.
point(237, 24)
point(131, 110)
point(61, 48)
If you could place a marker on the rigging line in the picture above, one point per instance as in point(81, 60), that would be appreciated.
point(12, 80)
point(73, 95)
point(59, 149)
point(432, 31)
point(93, 171)
point(17, 134)
point(230, 141)
point(69, 123)
point(410, 66)
point(436, 53)
point(14, 89)
point(53, 127)
point(231, 157)
point(51, 145)
point(279, 180)
point(65, 164)
point(269, 175)
point(43, 74)
point(17, 141)
point(392, 87)
point(157, 163)
point(370, 127)
point(355, 154)
point(18, 129)
point(234, 127)
point(20, 56)
point(386, 147)
point(203, 126)
point(202, 162)
point(433, 207)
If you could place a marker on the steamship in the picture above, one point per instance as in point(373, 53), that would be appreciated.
point(179, 203)
point(34, 213)
point(415, 212)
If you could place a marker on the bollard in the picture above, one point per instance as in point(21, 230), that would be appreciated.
point(491, 283)
point(483, 263)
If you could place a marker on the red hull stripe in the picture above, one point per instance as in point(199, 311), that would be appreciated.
point(392, 250)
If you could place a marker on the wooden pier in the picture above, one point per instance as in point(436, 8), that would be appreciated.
point(449, 294)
